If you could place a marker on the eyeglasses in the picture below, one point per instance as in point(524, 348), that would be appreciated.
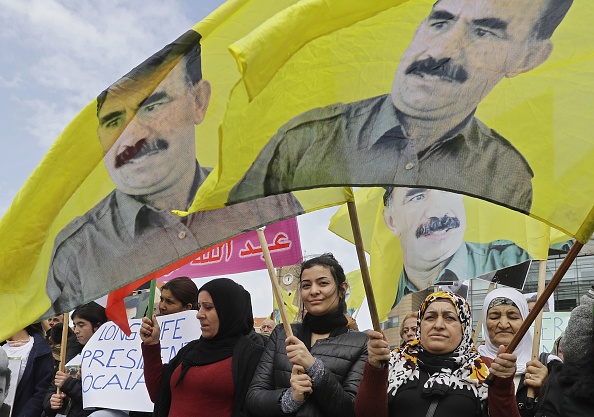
point(406, 329)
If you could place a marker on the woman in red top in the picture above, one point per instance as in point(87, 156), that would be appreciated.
point(208, 376)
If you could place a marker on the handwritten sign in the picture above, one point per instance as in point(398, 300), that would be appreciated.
point(553, 324)
point(244, 253)
point(112, 365)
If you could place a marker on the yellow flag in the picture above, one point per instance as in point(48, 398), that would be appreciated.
point(337, 93)
point(159, 122)
point(424, 236)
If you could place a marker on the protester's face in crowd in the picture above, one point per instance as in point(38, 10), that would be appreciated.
point(168, 304)
point(83, 329)
point(267, 327)
point(207, 314)
point(3, 389)
point(531, 305)
point(429, 223)
point(146, 129)
point(52, 321)
point(409, 329)
point(441, 329)
point(462, 50)
point(503, 322)
point(319, 291)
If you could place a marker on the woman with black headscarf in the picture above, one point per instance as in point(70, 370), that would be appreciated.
point(210, 374)
point(315, 372)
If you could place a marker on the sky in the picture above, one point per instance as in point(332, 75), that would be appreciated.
point(58, 55)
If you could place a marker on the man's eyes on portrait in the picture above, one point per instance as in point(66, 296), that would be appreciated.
point(416, 197)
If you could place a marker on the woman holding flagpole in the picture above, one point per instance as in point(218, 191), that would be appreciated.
point(315, 372)
point(209, 376)
point(439, 373)
point(504, 310)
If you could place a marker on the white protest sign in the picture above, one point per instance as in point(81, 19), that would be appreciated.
point(112, 364)
point(553, 324)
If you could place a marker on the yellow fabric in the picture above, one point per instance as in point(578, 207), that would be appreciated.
point(289, 67)
point(357, 290)
point(72, 178)
point(485, 222)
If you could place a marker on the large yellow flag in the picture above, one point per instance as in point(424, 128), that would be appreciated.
point(417, 237)
point(97, 212)
point(488, 99)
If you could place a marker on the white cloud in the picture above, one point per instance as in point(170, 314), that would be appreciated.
point(16, 81)
point(74, 50)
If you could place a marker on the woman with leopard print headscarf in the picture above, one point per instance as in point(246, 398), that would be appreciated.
point(439, 374)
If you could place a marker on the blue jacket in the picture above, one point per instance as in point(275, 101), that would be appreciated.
point(35, 381)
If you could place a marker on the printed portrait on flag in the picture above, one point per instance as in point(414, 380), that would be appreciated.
point(419, 237)
point(425, 132)
point(431, 225)
point(146, 128)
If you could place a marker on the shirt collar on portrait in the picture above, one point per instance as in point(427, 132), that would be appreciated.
point(385, 127)
point(135, 213)
point(384, 123)
point(455, 270)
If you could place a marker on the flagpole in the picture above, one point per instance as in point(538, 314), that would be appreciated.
point(542, 273)
point(151, 301)
point(63, 344)
point(275, 287)
point(479, 322)
point(548, 291)
point(363, 265)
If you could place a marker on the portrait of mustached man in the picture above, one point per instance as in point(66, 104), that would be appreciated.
point(147, 132)
point(430, 225)
point(424, 132)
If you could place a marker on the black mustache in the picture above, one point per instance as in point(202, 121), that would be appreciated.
point(435, 224)
point(140, 148)
point(440, 68)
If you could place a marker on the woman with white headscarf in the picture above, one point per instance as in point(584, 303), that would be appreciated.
point(504, 311)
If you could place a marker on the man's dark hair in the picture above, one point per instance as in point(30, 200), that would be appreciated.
point(55, 333)
point(6, 373)
point(92, 312)
point(186, 46)
point(184, 289)
point(388, 195)
point(550, 18)
point(327, 260)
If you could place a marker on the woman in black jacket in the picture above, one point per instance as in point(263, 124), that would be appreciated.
point(317, 371)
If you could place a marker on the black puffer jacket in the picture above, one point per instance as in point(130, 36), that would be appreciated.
point(344, 358)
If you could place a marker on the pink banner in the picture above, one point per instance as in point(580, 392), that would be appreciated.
point(244, 253)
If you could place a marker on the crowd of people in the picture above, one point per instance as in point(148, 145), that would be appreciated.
point(323, 366)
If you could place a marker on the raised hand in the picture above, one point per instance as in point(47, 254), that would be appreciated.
point(504, 364)
point(150, 331)
point(301, 385)
point(378, 349)
point(298, 353)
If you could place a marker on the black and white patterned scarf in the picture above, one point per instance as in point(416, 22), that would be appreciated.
point(461, 369)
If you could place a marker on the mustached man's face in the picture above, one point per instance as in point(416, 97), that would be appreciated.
point(462, 50)
point(146, 129)
point(429, 223)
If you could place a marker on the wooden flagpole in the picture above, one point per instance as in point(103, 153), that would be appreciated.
point(479, 322)
point(275, 287)
point(363, 265)
point(542, 273)
point(548, 291)
point(63, 344)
